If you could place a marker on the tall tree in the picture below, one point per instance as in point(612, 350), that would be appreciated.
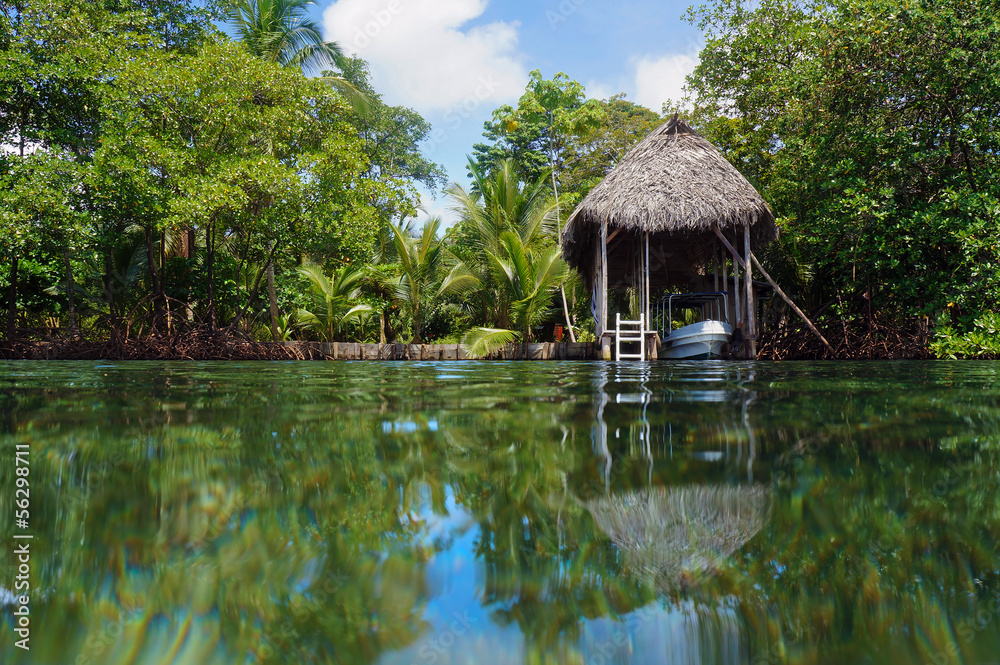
point(879, 127)
point(281, 31)
point(536, 133)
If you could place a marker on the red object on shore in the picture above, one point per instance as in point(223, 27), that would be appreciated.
point(558, 333)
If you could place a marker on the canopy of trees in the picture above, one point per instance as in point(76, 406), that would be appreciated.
point(873, 130)
point(160, 176)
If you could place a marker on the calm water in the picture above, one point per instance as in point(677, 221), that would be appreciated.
point(432, 513)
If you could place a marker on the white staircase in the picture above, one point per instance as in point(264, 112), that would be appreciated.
point(630, 332)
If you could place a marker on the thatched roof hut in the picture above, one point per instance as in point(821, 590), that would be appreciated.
point(673, 185)
point(653, 219)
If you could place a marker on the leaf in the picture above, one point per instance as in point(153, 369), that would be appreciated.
point(481, 342)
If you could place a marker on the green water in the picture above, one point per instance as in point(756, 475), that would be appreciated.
point(429, 513)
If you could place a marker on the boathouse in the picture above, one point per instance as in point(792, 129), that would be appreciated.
point(674, 215)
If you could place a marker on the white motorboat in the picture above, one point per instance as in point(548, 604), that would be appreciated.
point(705, 340)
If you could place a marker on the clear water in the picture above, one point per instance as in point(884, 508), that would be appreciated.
point(587, 513)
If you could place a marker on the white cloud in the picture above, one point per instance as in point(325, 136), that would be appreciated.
point(598, 90)
point(660, 79)
point(437, 207)
point(422, 54)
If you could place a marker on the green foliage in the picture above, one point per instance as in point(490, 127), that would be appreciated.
point(529, 278)
point(873, 130)
point(423, 280)
point(983, 341)
point(535, 135)
point(165, 167)
point(333, 301)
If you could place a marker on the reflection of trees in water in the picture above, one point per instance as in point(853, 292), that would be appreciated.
point(248, 528)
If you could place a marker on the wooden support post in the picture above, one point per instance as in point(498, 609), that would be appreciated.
point(715, 269)
point(648, 300)
point(596, 283)
point(737, 262)
point(602, 314)
point(604, 276)
point(751, 331)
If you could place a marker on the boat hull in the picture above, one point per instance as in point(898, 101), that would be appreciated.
point(706, 340)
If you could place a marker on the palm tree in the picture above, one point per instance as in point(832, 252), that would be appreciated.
point(281, 31)
point(332, 300)
point(499, 203)
point(529, 278)
point(423, 282)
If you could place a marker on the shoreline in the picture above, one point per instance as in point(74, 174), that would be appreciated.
point(243, 350)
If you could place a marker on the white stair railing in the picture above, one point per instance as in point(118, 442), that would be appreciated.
point(633, 331)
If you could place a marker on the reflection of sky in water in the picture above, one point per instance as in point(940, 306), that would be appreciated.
point(462, 631)
point(408, 427)
point(183, 509)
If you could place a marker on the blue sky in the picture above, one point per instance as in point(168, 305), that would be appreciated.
point(455, 61)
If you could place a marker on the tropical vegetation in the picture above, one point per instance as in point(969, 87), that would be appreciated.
point(161, 176)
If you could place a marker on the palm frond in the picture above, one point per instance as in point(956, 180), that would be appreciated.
point(459, 280)
point(481, 342)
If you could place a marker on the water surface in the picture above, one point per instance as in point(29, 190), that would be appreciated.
point(463, 512)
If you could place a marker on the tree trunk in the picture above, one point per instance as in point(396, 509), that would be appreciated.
point(163, 280)
point(272, 296)
point(209, 265)
point(74, 328)
point(109, 291)
point(12, 302)
point(157, 286)
point(569, 324)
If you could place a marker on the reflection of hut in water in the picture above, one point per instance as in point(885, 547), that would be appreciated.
point(665, 218)
point(673, 535)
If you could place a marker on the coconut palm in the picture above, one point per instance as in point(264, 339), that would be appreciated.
point(529, 279)
point(281, 31)
point(423, 281)
point(332, 298)
point(498, 203)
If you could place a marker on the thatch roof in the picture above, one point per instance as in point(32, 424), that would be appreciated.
point(674, 182)
point(676, 534)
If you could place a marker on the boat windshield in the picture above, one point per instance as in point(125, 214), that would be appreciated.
point(714, 304)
